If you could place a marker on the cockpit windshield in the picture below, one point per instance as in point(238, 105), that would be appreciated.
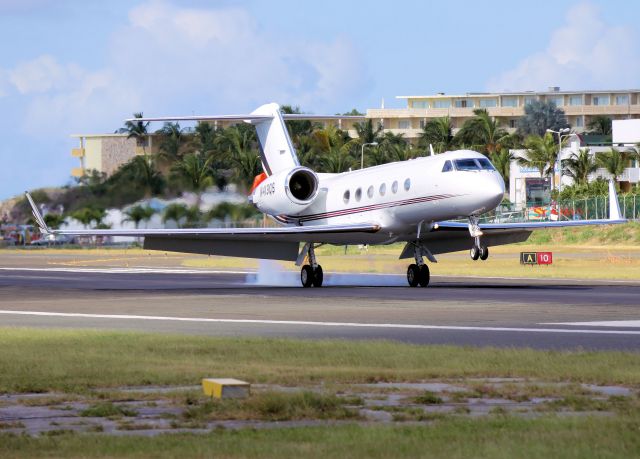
point(473, 164)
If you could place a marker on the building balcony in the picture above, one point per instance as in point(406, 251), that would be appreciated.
point(78, 152)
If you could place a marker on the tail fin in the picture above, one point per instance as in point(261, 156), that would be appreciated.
point(44, 229)
point(277, 151)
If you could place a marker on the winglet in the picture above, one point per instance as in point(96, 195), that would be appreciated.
point(614, 205)
point(44, 229)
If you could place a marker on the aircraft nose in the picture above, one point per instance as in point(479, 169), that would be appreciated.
point(494, 189)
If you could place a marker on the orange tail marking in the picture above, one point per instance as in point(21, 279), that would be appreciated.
point(257, 181)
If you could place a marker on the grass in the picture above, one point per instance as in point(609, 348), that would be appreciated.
point(34, 360)
point(107, 410)
point(454, 437)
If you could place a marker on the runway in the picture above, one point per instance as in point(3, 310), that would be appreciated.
point(501, 312)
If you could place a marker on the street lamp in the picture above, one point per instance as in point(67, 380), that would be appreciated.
point(362, 152)
point(567, 133)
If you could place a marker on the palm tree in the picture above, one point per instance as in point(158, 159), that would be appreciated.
point(54, 221)
point(137, 130)
point(579, 166)
point(174, 212)
point(239, 143)
point(194, 172)
point(542, 154)
point(137, 214)
point(502, 161)
point(366, 131)
point(392, 147)
point(437, 132)
point(86, 215)
point(614, 161)
point(333, 148)
point(483, 133)
point(540, 116)
point(600, 125)
point(172, 140)
point(146, 174)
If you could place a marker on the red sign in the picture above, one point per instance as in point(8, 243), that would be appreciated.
point(545, 258)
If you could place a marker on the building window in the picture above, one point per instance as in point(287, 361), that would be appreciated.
point(383, 189)
point(407, 184)
point(441, 103)
point(404, 124)
point(488, 103)
point(346, 196)
point(358, 194)
point(513, 123)
point(464, 103)
point(394, 187)
point(509, 101)
point(420, 104)
point(558, 101)
point(528, 100)
point(622, 100)
point(600, 100)
point(579, 121)
point(370, 192)
point(575, 100)
point(422, 124)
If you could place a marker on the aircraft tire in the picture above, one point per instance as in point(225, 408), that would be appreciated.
point(306, 276)
point(425, 276)
point(413, 275)
point(318, 277)
point(474, 253)
point(484, 252)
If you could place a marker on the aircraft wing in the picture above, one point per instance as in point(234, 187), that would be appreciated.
point(280, 243)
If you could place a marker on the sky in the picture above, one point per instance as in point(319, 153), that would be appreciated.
point(73, 66)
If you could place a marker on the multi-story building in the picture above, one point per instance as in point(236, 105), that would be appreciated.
point(507, 107)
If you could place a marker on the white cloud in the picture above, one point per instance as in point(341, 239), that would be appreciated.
point(584, 53)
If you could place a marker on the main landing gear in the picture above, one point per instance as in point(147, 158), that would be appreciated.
point(311, 274)
point(418, 273)
point(478, 250)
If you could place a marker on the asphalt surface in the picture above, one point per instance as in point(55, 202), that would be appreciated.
point(559, 314)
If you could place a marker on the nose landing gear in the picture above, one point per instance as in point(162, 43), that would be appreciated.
point(478, 250)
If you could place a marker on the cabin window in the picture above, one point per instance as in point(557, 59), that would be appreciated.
point(346, 196)
point(407, 184)
point(447, 166)
point(383, 189)
point(370, 192)
point(358, 194)
point(394, 186)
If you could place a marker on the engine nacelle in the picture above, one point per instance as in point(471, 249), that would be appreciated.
point(287, 192)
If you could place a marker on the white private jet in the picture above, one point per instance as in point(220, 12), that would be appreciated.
point(409, 201)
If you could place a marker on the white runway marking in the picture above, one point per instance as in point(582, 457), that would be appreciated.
point(140, 270)
point(317, 324)
point(605, 323)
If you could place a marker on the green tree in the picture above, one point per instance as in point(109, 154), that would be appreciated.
point(483, 133)
point(145, 174)
point(614, 161)
point(579, 166)
point(502, 161)
point(87, 215)
point(333, 148)
point(239, 143)
point(172, 140)
point(542, 154)
point(175, 212)
point(194, 172)
point(54, 221)
point(438, 133)
point(540, 116)
point(137, 130)
point(206, 141)
point(600, 125)
point(137, 214)
point(391, 147)
point(367, 132)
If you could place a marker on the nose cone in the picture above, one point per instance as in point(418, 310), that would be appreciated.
point(493, 190)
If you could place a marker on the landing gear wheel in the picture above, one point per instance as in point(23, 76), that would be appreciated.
point(306, 276)
point(424, 276)
point(318, 276)
point(413, 275)
point(474, 253)
point(484, 252)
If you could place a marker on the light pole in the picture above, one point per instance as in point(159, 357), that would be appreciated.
point(362, 152)
point(565, 131)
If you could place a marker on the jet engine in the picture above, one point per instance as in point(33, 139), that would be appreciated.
point(287, 192)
